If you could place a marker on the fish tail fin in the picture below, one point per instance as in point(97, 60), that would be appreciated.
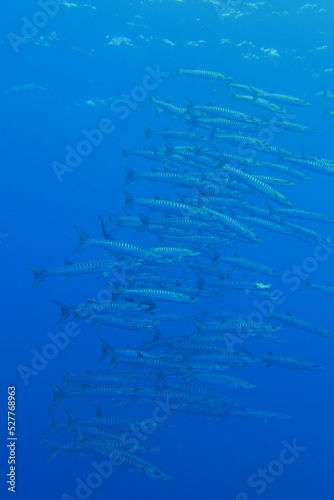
point(55, 424)
point(84, 240)
point(107, 350)
point(130, 175)
point(72, 421)
point(189, 104)
point(125, 151)
point(55, 449)
point(58, 395)
point(145, 222)
point(39, 274)
point(67, 378)
point(115, 219)
point(234, 94)
point(65, 311)
point(130, 200)
point(148, 133)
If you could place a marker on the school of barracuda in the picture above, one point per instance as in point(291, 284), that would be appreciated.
point(216, 203)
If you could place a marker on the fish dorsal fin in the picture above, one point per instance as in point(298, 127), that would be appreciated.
point(270, 353)
point(288, 313)
point(68, 263)
point(236, 255)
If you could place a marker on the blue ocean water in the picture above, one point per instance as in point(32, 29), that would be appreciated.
point(61, 74)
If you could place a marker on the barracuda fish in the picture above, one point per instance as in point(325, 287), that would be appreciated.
point(266, 224)
point(108, 439)
point(274, 181)
point(119, 248)
point(302, 214)
point(286, 170)
point(302, 324)
point(259, 101)
point(91, 308)
point(249, 265)
point(211, 75)
point(156, 294)
point(284, 99)
point(222, 124)
point(225, 358)
point(95, 392)
point(135, 325)
point(326, 289)
point(314, 165)
point(289, 362)
point(164, 206)
point(92, 377)
point(233, 225)
point(114, 452)
point(104, 267)
point(167, 106)
point(269, 337)
point(293, 127)
point(241, 139)
point(219, 379)
point(205, 411)
point(176, 252)
point(152, 362)
point(258, 414)
point(258, 185)
point(181, 179)
point(175, 134)
point(240, 326)
point(223, 112)
point(305, 233)
point(239, 285)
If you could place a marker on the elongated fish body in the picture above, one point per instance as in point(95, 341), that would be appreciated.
point(282, 98)
point(114, 423)
point(123, 323)
point(211, 75)
point(258, 414)
point(286, 170)
point(175, 251)
point(259, 186)
point(168, 107)
point(104, 267)
point(216, 378)
point(94, 378)
point(290, 362)
point(233, 225)
point(293, 127)
point(241, 326)
point(302, 214)
point(250, 265)
point(156, 294)
point(223, 113)
point(326, 289)
point(261, 102)
point(118, 247)
point(305, 233)
point(302, 324)
point(275, 181)
point(239, 285)
point(266, 224)
point(175, 134)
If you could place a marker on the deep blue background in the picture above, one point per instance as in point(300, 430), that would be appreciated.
point(206, 458)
